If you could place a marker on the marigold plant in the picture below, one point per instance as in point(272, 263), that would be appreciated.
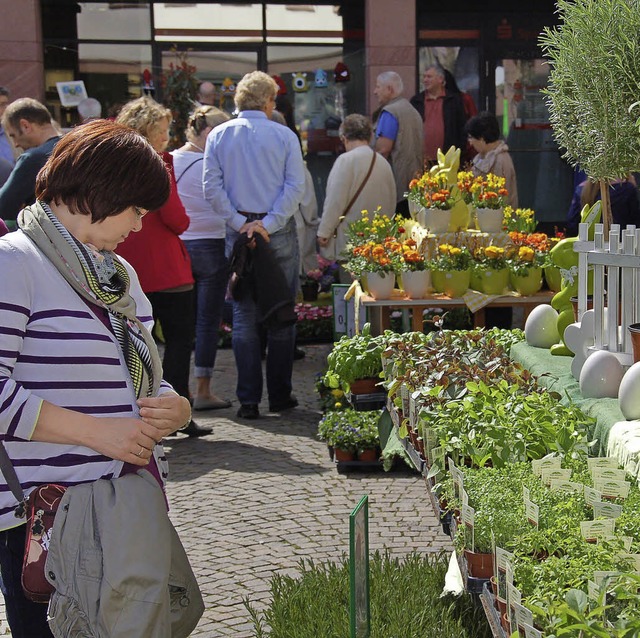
point(490, 257)
point(489, 192)
point(433, 191)
point(450, 257)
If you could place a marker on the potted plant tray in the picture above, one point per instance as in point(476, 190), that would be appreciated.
point(356, 463)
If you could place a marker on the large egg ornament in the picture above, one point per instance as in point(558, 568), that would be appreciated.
point(540, 329)
point(601, 375)
point(629, 393)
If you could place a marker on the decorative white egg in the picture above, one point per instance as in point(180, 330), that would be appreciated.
point(601, 375)
point(540, 329)
point(629, 393)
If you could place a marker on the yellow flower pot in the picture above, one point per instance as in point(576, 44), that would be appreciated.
point(528, 284)
point(453, 283)
point(553, 278)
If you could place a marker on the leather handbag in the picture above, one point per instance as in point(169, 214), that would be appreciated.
point(40, 509)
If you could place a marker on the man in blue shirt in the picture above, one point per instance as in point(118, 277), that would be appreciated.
point(254, 179)
point(28, 124)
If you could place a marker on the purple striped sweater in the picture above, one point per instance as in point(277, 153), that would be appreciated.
point(54, 348)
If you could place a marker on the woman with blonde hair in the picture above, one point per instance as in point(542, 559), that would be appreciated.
point(159, 256)
point(204, 240)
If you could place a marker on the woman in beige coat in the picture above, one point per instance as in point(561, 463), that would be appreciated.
point(345, 180)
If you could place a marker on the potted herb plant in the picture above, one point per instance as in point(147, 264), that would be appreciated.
point(354, 359)
point(350, 432)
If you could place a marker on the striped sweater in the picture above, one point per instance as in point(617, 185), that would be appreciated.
point(54, 348)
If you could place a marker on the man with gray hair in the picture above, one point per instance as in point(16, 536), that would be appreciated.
point(206, 94)
point(442, 112)
point(254, 180)
point(89, 109)
point(398, 134)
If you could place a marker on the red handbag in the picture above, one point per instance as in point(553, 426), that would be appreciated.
point(41, 507)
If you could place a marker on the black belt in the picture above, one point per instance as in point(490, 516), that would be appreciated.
point(252, 217)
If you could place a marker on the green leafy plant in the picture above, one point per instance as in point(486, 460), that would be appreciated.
point(356, 357)
point(405, 595)
point(350, 430)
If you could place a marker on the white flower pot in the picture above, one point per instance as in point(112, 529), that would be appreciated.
point(435, 220)
point(413, 208)
point(416, 284)
point(380, 286)
point(489, 219)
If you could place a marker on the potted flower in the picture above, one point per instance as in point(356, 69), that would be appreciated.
point(415, 277)
point(528, 255)
point(350, 433)
point(451, 269)
point(437, 199)
point(489, 195)
point(520, 220)
point(310, 283)
point(491, 273)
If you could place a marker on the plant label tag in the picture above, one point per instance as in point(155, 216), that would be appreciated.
point(635, 558)
point(468, 517)
point(593, 591)
point(549, 462)
point(430, 441)
point(604, 578)
point(608, 473)
point(523, 615)
point(566, 486)
point(437, 457)
point(531, 632)
point(465, 498)
point(532, 512)
point(526, 493)
point(602, 461)
point(502, 558)
point(404, 394)
point(559, 474)
point(513, 594)
point(592, 496)
point(612, 489)
point(606, 510)
point(627, 541)
point(592, 530)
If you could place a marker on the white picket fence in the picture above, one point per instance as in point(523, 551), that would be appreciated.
point(616, 285)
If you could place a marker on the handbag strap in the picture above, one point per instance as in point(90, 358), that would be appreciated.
point(10, 476)
point(200, 159)
point(353, 199)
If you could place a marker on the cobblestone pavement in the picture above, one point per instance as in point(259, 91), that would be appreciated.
point(255, 497)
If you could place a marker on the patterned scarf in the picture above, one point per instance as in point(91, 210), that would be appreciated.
point(102, 279)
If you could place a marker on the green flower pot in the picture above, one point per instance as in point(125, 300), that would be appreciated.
point(553, 278)
point(476, 280)
point(453, 283)
point(528, 284)
point(493, 282)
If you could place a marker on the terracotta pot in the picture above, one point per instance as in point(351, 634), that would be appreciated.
point(344, 455)
point(369, 456)
point(634, 330)
point(506, 625)
point(502, 606)
point(494, 585)
point(365, 386)
point(479, 565)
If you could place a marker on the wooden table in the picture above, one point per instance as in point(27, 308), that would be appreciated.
point(379, 310)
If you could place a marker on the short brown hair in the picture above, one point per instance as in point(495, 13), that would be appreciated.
point(102, 168)
point(26, 108)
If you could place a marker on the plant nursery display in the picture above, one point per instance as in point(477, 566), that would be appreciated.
point(451, 269)
point(351, 431)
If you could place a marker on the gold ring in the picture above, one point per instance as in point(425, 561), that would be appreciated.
point(140, 452)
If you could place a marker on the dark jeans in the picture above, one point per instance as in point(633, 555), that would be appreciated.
point(280, 341)
point(26, 618)
point(174, 310)
point(211, 272)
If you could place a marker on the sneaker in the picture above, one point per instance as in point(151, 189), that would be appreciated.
point(249, 411)
point(298, 353)
point(287, 404)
